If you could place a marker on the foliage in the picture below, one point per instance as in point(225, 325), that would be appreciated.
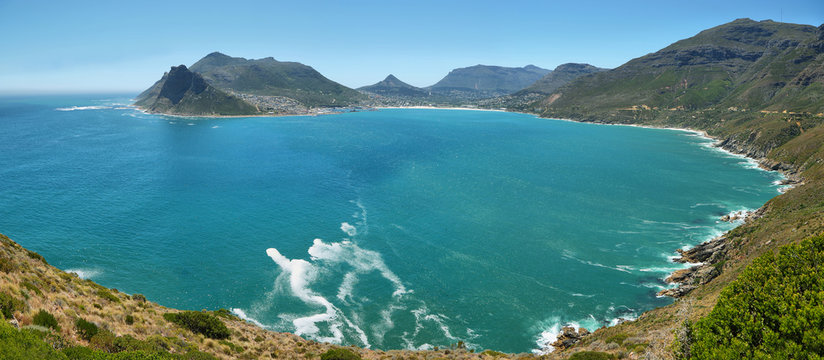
point(139, 298)
point(24, 344)
point(86, 329)
point(200, 322)
point(33, 288)
point(102, 292)
point(591, 355)
point(43, 318)
point(129, 319)
point(340, 354)
point(9, 304)
point(773, 309)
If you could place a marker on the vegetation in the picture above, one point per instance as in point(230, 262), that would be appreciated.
point(591, 355)
point(86, 329)
point(773, 309)
point(183, 92)
point(340, 354)
point(9, 304)
point(269, 77)
point(200, 322)
point(43, 318)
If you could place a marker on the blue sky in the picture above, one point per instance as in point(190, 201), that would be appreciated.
point(107, 46)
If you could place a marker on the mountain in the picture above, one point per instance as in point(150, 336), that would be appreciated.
point(392, 86)
point(269, 77)
point(559, 77)
point(496, 80)
point(182, 92)
point(743, 64)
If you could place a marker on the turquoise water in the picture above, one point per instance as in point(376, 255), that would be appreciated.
point(388, 229)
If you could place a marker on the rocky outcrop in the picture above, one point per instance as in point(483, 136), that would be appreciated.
point(569, 336)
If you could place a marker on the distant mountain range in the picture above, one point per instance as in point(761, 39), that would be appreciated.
point(743, 65)
point(489, 80)
point(559, 77)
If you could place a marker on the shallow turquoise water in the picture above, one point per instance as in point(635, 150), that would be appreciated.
point(434, 225)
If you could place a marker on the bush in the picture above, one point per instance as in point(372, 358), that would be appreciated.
point(201, 323)
point(86, 329)
point(340, 354)
point(591, 355)
point(33, 288)
point(129, 319)
point(139, 298)
point(43, 318)
point(773, 309)
point(24, 344)
point(107, 295)
point(9, 304)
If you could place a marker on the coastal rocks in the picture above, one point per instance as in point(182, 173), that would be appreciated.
point(569, 336)
point(707, 255)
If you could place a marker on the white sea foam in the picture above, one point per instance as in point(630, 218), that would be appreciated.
point(73, 108)
point(348, 229)
point(84, 273)
point(550, 332)
point(242, 314)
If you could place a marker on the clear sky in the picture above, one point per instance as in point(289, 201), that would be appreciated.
point(106, 46)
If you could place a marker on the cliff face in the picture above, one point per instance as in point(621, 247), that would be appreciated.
point(183, 92)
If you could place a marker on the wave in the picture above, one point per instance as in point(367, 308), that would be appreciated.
point(73, 108)
point(241, 314)
point(84, 273)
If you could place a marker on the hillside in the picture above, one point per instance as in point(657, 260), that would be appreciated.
point(269, 77)
point(182, 92)
point(562, 74)
point(758, 88)
point(392, 86)
point(488, 81)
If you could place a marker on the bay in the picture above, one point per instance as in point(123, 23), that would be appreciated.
point(398, 228)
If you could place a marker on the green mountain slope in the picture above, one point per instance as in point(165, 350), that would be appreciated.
point(559, 77)
point(496, 80)
point(269, 77)
point(734, 81)
point(183, 92)
point(392, 86)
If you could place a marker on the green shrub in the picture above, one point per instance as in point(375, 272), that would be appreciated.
point(86, 329)
point(33, 288)
point(340, 354)
point(24, 344)
point(232, 346)
point(772, 310)
point(617, 338)
point(107, 295)
point(6, 264)
point(591, 355)
point(129, 319)
point(139, 298)
point(492, 353)
point(35, 256)
point(200, 322)
point(43, 318)
point(9, 304)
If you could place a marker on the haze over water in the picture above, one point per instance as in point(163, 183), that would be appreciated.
point(389, 229)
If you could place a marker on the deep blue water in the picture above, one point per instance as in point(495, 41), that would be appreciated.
point(434, 225)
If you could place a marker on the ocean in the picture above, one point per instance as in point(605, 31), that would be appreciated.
point(398, 228)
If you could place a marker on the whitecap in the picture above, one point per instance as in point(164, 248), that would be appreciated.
point(84, 273)
point(73, 108)
point(241, 314)
point(348, 229)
